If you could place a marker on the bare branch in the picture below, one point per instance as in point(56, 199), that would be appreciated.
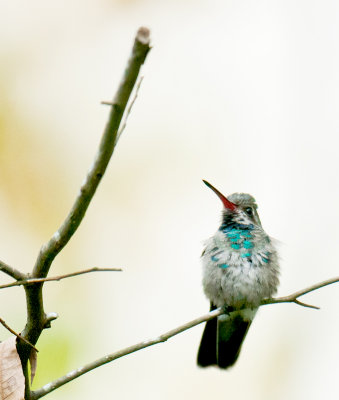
point(162, 338)
point(294, 296)
point(14, 273)
point(128, 350)
point(61, 237)
point(2, 322)
point(300, 303)
point(30, 281)
point(36, 318)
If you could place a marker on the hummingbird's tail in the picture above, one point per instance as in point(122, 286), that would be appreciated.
point(222, 339)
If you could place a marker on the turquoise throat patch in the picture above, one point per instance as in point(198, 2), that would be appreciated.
point(239, 237)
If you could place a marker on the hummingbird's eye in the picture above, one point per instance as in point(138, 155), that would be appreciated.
point(249, 211)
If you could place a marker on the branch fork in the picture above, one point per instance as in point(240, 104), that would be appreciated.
point(37, 319)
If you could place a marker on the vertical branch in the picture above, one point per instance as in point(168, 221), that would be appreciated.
point(36, 319)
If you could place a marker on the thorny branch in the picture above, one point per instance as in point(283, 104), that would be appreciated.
point(37, 394)
point(30, 281)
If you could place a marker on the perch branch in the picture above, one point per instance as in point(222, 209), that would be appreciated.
point(3, 323)
point(30, 281)
point(36, 318)
point(293, 298)
point(49, 387)
point(37, 394)
point(14, 273)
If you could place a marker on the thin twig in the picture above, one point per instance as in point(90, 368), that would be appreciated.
point(294, 296)
point(36, 319)
point(123, 125)
point(37, 394)
point(2, 322)
point(30, 281)
point(14, 273)
point(300, 303)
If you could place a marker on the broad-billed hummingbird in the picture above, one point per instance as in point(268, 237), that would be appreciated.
point(240, 269)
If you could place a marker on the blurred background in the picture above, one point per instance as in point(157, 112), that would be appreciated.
point(241, 93)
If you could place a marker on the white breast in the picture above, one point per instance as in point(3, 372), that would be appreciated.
point(229, 279)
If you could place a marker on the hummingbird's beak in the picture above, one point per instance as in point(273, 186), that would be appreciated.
point(227, 204)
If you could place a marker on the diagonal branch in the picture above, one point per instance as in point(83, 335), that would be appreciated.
point(14, 273)
point(30, 281)
point(293, 298)
point(3, 323)
point(36, 318)
point(61, 237)
point(37, 394)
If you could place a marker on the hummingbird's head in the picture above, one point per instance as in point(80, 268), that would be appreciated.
point(238, 207)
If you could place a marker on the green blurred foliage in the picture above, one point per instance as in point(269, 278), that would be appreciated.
point(55, 351)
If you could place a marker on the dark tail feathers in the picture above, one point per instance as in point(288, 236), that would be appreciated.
point(222, 339)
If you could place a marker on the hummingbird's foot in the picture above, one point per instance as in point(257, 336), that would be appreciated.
point(227, 309)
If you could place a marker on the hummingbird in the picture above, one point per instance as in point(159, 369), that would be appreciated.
point(240, 269)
